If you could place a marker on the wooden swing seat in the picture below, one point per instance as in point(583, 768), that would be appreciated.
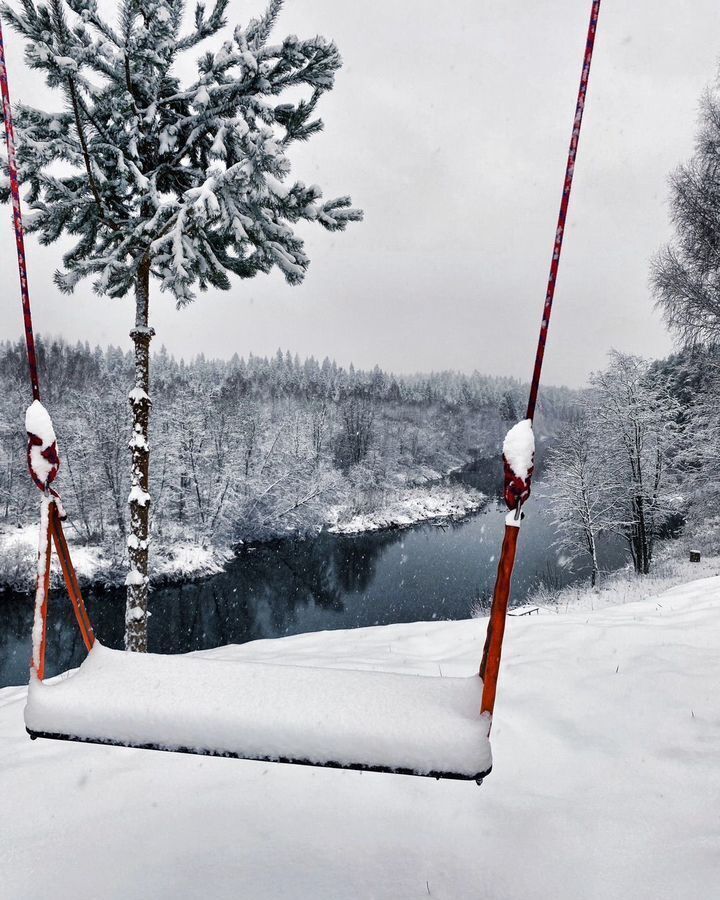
point(367, 720)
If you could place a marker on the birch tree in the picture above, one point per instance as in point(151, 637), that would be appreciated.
point(637, 421)
point(583, 502)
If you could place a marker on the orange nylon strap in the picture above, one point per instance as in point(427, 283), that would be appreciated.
point(44, 607)
point(71, 582)
point(490, 665)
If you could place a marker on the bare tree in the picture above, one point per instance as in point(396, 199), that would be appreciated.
point(358, 416)
point(107, 422)
point(686, 273)
point(582, 502)
point(638, 428)
point(319, 427)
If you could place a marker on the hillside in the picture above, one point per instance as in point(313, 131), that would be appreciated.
point(604, 783)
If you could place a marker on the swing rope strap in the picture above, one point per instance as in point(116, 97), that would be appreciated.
point(562, 216)
point(42, 453)
point(517, 485)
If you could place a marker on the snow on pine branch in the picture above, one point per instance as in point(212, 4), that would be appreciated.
point(194, 176)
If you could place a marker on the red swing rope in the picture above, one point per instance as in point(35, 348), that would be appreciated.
point(560, 231)
point(55, 530)
point(518, 493)
point(17, 220)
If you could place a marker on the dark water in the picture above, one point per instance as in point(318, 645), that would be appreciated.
point(425, 572)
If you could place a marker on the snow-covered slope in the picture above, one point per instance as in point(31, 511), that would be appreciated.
point(606, 781)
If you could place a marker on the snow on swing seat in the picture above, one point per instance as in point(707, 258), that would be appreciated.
point(411, 724)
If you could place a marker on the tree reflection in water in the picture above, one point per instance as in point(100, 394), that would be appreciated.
point(258, 596)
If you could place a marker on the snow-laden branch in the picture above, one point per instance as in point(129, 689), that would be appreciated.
point(194, 177)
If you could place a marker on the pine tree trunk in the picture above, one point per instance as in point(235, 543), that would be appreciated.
point(136, 613)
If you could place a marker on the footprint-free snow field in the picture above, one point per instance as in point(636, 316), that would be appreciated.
point(606, 780)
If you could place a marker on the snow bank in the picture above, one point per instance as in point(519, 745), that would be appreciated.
point(184, 560)
point(605, 781)
point(261, 710)
point(411, 508)
point(19, 552)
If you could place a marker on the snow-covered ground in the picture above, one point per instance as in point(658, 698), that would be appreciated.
point(414, 505)
point(670, 568)
point(18, 556)
point(181, 560)
point(606, 781)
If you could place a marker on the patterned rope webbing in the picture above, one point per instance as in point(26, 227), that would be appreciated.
point(560, 231)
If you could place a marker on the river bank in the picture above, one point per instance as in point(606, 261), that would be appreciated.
point(175, 559)
point(445, 502)
point(436, 570)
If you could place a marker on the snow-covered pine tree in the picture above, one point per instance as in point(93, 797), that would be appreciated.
point(185, 184)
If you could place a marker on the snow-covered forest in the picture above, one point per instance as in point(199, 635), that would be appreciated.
point(250, 450)
point(261, 449)
point(562, 644)
point(639, 460)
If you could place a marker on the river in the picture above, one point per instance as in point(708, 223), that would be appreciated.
point(431, 571)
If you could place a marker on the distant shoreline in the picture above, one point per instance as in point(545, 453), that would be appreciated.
point(102, 566)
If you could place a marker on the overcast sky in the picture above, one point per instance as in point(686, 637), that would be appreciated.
point(449, 125)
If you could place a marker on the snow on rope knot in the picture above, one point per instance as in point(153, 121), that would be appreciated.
point(42, 452)
point(518, 461)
